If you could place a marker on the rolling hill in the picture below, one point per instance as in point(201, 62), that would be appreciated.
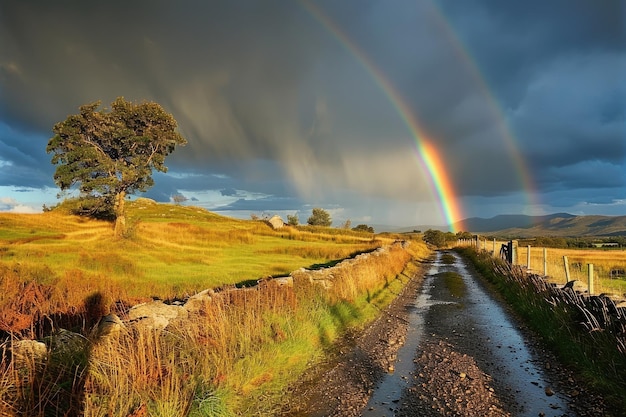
point(558, 224)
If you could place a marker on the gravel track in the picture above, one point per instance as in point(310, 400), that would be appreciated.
point(457, 371)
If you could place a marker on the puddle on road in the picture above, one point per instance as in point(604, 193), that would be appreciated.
point(510, 355)
point(387, 394)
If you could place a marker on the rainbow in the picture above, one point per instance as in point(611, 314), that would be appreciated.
point(429, 158)
point(521, 168)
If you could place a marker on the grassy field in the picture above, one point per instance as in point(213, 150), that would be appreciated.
point(171, 251)
point(604, 261)
point(236, 358)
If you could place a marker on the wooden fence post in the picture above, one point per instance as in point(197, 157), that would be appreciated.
point(494, 247)
point(590, 279)
point(514, 252)
point(545, 262)
point(566, 269)
point(528, 257)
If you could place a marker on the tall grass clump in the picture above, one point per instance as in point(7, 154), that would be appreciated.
point(565, 325)
point(236, 353)
point(239, 349)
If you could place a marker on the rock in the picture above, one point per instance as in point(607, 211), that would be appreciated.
point(152, 322)
point(67, 342)
point(197, 302)
point(109, 325)
point(549, 392)
point(284, 281)
point(156, 314)
point(27, 353)
point(276, 222)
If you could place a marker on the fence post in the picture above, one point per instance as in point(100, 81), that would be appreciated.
point(528, 258)
point(545, 262)
point(514, 252)
point(566, 269)
point(590, 279)
point(494, 247)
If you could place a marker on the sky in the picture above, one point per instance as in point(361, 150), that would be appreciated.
point(394, 113)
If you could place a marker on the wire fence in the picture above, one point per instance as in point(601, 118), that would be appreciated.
point(595, 271)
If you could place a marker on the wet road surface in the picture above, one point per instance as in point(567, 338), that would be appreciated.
point(454, 316)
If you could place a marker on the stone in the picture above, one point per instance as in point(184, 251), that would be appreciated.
point(27, 353)
point(67, 342)
point(196, 302)
point(156, 314)
point(276, 222)
point(109, 325)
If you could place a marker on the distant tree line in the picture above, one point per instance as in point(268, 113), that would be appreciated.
point(321, 217)
point(441, 239)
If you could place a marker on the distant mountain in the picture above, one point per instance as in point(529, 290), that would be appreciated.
point(421, 228)
point(559, 224)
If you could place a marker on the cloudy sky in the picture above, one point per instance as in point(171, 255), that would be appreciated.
point(290, 105)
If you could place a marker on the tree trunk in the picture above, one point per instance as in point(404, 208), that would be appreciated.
point(120, 215)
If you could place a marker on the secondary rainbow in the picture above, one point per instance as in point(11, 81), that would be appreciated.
point(521, 168)
point(428, 156)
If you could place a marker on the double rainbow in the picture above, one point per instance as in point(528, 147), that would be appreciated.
point(428, 157)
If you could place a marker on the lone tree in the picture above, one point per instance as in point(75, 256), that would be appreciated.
point(109, 154)
point(319, 217)
point(293, 220)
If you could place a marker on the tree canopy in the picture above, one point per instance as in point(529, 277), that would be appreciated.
point(319, 217)
point(107, 154)
point(363, 228)
point(438, 238)
point(293, 220)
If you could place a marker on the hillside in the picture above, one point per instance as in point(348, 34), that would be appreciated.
point(559, 224)
point(170, 250)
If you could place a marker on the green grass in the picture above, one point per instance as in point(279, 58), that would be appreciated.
point(170, 251)
point(237, 358)
point(594, 356)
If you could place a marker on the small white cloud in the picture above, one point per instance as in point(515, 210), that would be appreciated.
point(11, 205)
point(21, 208)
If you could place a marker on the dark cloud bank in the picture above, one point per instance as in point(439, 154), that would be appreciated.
point(281, 115)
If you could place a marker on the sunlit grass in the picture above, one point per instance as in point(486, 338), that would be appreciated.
point(604, 261)
point(597, 355)
point(246, 347)
point(170, 251)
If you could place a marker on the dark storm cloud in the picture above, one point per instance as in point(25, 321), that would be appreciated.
point(22, 163)
point(279, 109)
point(263, 204)
point(511, 42)
point(229, 192)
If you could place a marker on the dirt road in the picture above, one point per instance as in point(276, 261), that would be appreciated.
point(445, 347)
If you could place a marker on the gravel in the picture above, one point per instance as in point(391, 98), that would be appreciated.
point(454, 373)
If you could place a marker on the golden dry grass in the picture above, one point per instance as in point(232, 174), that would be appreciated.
point(604, 262)
point(169, 252)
